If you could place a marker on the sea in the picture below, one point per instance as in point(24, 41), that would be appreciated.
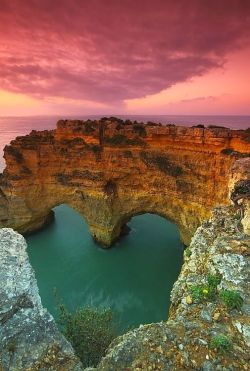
point(11, 127)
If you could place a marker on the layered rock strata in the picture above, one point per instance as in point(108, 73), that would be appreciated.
point(29, 338)
point(111, 170)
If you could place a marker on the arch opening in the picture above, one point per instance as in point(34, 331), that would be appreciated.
point(134, 279)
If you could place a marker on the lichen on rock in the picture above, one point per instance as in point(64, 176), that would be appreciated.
point(183, 342)
point(29, 337)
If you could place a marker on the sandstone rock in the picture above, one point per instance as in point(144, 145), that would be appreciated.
point(109, 175)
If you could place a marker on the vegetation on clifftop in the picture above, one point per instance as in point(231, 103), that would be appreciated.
point(122, 140)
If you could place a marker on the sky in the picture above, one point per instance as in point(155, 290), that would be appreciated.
point(124, 56)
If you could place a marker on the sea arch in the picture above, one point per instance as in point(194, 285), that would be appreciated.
point(176, 172)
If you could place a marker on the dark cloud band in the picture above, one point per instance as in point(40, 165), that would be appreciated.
point(109, 51)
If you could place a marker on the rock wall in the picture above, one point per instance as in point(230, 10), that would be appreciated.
point(29, 338)
point(111, 170)
point(219, 247)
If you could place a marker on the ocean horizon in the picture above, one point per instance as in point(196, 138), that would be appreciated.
point(13, 126)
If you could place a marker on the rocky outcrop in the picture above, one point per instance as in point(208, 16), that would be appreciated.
point(111, 170)
point(29, 338)
point(186, 341)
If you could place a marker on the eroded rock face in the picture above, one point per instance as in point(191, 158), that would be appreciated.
point(184, 341)
point(111, 170)
point(29, 338)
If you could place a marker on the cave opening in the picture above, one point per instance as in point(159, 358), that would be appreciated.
point(134, 278)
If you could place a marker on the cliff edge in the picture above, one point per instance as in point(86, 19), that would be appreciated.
point(29, 338)
point(186, 341)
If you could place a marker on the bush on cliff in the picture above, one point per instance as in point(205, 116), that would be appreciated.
point(14, 152)
point(90, 331)
point(140, 130)
point(231, 299)
point(162, 162)
point(221, 343)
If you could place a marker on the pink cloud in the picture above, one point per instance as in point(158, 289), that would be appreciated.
point(109, 51)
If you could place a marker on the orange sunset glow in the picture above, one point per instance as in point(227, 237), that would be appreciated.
point(124, 57)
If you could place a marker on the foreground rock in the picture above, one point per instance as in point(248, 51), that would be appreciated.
point(184, 341)
point(111, 170)
point(29, 338)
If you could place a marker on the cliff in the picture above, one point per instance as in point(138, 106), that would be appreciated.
point(29, 338)
point(220, 248)
point(111, 170)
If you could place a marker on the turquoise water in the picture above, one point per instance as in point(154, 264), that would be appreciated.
point(134, 277)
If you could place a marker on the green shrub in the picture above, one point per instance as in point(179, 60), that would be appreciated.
point(217, 127)
point(14, 152)
point(188, 252)
point(199, 126)
point(62, 178)
point(140, 130)
point(76, 141)
point(90, 331)
point(231, 299)
point(162, 162)
point(227, 151)
point(116, 139)
point(127, 154)
point(237, 216)
point(221, 343)
point(11, 346)
point(202, 293)
point(213, 280)
point(95, 148)
point(206, 292)
point(88, 128)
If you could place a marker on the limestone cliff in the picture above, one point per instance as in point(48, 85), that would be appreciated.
point(184, 342)
point(111, 170)
point(29, 338)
